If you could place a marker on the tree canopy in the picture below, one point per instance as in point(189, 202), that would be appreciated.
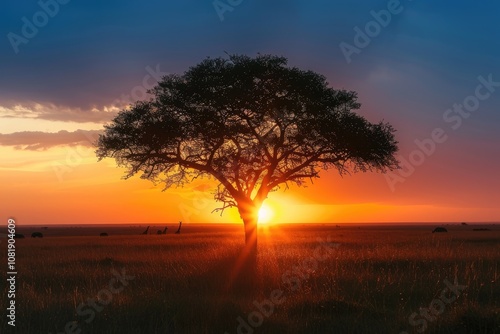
point(253, 124)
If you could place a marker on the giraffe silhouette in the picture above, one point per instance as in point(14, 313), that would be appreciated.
point(162, 232)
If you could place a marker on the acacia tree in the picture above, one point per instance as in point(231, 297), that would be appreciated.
point(252, 124)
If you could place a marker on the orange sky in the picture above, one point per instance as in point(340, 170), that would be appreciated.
point(67, 185)
point(49, 175)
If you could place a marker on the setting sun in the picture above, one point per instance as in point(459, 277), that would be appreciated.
point(265, 214)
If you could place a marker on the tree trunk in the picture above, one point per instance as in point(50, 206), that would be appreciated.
point(243, 278)
point(249, 215)
point(251, 235)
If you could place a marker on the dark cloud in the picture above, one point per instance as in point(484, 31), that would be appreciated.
point(38, 140)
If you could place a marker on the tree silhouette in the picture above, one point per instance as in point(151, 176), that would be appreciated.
point(253, 124)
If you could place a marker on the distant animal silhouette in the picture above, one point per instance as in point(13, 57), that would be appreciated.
point(18, 236)
point(36, 235)
point(179, 229)
point(162, 232)
point(439, 229)
point(146, 232)
point(103, 234)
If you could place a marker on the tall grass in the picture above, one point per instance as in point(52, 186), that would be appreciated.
point(371, 283)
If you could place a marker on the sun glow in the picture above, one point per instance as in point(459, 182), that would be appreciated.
point(265, 214)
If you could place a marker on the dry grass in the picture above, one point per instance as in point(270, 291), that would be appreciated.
point(370, 283)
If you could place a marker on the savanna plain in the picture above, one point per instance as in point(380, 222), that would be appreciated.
point(307, 278)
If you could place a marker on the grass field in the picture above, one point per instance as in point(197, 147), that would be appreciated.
point(309, 279)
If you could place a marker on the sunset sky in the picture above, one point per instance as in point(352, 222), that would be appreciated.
point(61, 83)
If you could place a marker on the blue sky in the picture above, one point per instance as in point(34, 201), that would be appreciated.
point(103, 47)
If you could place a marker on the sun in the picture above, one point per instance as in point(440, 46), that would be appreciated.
point(265, 214)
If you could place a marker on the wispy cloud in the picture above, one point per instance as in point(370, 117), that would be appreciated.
point(51, 112)
point(37, 140)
